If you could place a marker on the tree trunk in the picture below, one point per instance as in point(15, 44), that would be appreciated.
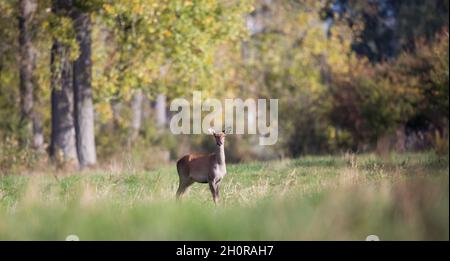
point(84, 109)
point(29, 124)
point(38, 133)
point(136, 122)
point(116, 108)
point(161, 113)
point(63, 145)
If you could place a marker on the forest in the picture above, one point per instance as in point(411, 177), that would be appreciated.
point(80, 80)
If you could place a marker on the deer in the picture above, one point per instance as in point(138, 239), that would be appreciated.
point(203, 168)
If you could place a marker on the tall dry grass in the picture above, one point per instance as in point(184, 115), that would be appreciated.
point(399, 197)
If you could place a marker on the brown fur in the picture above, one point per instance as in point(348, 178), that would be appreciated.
point(203, 168)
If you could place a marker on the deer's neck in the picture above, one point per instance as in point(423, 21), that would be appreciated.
point(220, 155)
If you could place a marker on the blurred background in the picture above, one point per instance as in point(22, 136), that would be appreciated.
point(85, 82)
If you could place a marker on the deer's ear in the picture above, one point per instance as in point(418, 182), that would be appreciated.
point(211, 131)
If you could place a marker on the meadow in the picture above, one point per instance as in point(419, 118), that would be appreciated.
point(344, 197)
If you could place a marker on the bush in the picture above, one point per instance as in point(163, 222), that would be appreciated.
point(14, 158)
point(373, 100)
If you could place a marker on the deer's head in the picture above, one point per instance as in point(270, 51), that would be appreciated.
point(220, 136)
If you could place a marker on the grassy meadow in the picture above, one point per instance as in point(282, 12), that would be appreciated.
point(347, 197)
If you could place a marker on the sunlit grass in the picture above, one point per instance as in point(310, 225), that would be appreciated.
point(397, 197)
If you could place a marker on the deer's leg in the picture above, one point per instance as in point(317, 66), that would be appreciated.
point(185, 182)
point(214, 187)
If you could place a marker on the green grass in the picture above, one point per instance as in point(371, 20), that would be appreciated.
point(348, 197)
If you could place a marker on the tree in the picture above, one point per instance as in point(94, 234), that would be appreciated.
point(84, 110)
point(30, 124)
point(383, 28)
point(163, 48)
point(136, 121)
point(160, 111)
point(289, 56)
point(63, 139)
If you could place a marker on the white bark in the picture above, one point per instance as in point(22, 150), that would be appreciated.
point(161, 111)
point(136, 121)
point(84, 108)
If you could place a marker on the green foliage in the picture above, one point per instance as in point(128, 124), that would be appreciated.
point(372, 100)
point(368, 105)
point(291, 59)
point(163, 46)
point(8, 71)
point(429, 68)
point(169, 47)
point(15, 159)
point(60, 28)
point(330, 100)
point(41, 36)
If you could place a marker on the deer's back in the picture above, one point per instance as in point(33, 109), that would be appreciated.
point(196, 166)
